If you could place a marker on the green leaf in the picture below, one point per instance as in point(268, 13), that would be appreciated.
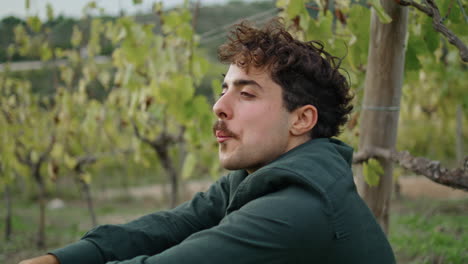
point(66, 74)
point(383, 16)
point(137, 2)
point(86, 177)
point(281, 3)
point(77, 37)
point(104, 77)
point(50, 12)
point(455, 15)
point(185, 88)
point(294, 8)
point(57, 151)
point(34, 156)
point(372, 171)
point(360, 29)
point(185, 32)
point(27, 4)
point(34, 23)
point(189, 165)
point(91, 5)
point(200, 67)
point(11, 50)
point(171, 21)
point(216, 87)
point(320, 29)
point(157, 7)
point(412, 62)
point(430, 37)
point(46, 52)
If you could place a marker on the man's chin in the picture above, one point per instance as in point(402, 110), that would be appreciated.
point(229, 165)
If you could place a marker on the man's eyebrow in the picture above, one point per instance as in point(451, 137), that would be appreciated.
point(243, 82)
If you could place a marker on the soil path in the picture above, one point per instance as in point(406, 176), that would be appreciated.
point(419, 186)
point(411, 187)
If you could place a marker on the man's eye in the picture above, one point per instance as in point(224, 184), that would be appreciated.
point(244, 94)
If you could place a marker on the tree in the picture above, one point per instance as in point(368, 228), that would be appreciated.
point(33, 138)
point(9, 167)
point(382, 93)
point(29, 123)
point(155, 91)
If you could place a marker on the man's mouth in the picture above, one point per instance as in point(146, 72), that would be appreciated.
point(221, 132)
point(222, 136)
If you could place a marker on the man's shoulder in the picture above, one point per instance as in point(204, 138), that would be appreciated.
point(303, 211)
point(320, 161)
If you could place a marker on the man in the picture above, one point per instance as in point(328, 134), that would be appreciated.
point(290, 197)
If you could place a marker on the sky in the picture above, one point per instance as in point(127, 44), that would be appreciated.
point(74, 7)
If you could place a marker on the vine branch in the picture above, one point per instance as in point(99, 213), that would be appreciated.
point(46, 153)
point(432, 169)
point(89, 159)
point(141, 137)
point(26, 159)
point(431, 9)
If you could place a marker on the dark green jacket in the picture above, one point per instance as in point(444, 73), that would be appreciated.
point(301, 208)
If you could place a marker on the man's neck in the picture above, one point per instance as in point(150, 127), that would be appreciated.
point(294, 142)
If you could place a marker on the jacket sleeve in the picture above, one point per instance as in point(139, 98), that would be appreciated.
point(150, 234)
point(289, 226)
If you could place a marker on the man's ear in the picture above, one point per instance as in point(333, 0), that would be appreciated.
point(304, 119)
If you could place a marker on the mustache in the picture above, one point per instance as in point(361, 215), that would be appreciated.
point(220, 125)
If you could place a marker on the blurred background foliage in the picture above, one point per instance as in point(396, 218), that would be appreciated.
point(106, 91)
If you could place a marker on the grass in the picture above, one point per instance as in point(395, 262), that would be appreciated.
point(65, 225)
point(430, 231)
point(421, 231)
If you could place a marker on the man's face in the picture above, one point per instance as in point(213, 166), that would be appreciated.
point(253, 125)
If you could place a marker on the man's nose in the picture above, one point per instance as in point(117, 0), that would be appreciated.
point(222, 108)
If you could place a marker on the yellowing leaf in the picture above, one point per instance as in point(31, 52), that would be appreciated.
point(86, 177)
point(34, 23)
point(91, 5)
point(57, 151)
point(372, 171)
point(69, 162)
point(77, 37)
point(46, 52)
point(34, 156)
point(281, 3)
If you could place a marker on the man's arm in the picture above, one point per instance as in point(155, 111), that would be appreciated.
point(150, 234)
point(289, 226)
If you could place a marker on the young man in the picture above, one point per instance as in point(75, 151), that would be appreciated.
point(290, 197)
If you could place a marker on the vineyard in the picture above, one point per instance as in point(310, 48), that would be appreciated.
point(96, 109)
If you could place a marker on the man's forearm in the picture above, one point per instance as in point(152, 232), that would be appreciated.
point(46, 259)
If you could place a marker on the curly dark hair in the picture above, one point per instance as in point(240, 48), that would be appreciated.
point(305, 71)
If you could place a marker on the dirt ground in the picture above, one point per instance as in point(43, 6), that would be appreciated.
point(421, 187)
point(411, 187)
